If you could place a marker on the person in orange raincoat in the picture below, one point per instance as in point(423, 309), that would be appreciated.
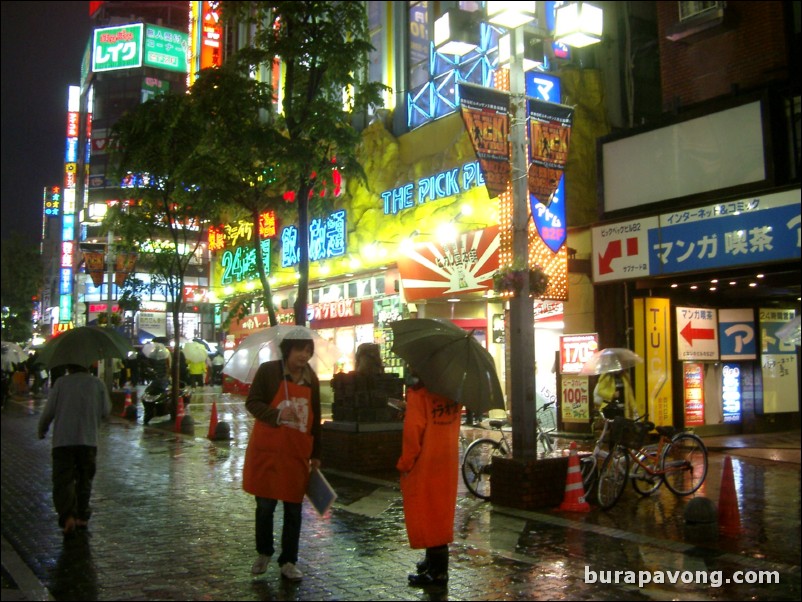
point(283, 447)
point(429, 465)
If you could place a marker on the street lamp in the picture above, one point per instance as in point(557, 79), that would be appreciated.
point(515, 16)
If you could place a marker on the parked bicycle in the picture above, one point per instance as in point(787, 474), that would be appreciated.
point(478, 458)
point(600, 427)
point(678, 459)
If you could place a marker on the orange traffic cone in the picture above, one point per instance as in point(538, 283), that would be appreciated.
point(128, 403)
point(179, 415)
point(574, 500)
point(213, 422)
point(729, 517)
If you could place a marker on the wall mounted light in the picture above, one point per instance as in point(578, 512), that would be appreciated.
point(578, 24)
point(456, 32)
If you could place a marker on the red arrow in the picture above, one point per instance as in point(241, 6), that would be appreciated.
point(689, 333)
point(613, 251)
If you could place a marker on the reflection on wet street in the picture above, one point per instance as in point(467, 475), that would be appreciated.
point(172, 523)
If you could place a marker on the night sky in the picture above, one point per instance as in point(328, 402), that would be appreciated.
point(42, 46)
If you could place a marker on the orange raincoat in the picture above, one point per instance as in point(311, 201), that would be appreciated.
point(429, 465)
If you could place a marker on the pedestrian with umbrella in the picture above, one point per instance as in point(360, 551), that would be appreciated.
point(613, 385)
point(284, 445)
point(450, 368)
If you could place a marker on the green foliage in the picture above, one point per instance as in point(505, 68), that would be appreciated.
point(323, 48)
point(22, 277)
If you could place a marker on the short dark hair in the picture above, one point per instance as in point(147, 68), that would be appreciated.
point(288, 345)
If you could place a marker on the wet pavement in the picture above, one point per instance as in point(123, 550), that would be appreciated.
point(172, 523)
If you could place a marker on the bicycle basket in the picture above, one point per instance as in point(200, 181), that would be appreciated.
point(613, 410)
point(629, 433)
point(546, 419)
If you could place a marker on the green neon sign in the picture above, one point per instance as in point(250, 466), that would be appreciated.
point(117, 48)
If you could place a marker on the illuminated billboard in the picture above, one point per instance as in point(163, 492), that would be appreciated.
point(117, 47)
point(166, 49)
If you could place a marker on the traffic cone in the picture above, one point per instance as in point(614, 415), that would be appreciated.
point(729, 517)
point(179, 415)
point(128, 403)
point(574, 500)
point(213, 423)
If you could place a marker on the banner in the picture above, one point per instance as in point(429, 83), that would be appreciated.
point(486, 116)
point(123, 266)
point(95, 265)
point(434, 269)
point(549, 136)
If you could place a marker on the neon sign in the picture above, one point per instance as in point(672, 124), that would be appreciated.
point(432, 188)
point(326, 239)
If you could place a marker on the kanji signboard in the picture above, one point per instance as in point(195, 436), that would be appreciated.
point(747, 231)
point(697, 334)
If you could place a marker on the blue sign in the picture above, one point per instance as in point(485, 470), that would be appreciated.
point(731, 392)
point(737, 334)
point(743, 232)
point(326, 240)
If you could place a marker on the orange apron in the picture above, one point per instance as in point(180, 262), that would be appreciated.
point(277, 458)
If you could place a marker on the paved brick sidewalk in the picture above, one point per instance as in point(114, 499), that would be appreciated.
point(171, 523)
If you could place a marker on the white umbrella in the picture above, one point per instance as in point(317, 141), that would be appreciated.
point(155, 351)
point(12, 354)
point(263, 346)
point(195, 352)
point(611, 359)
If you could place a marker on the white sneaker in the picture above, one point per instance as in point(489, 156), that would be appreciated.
point(259, 565)
point(291, 572)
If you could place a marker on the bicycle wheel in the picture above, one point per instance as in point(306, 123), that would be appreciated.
point(643, 482)
point(612, 477)
point(476, 466)
point(587, 467)
point(684, 463)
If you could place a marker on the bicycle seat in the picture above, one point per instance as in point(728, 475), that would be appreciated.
point(666, 431)
point(496, 424)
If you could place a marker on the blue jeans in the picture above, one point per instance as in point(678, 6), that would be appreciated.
point(290, 531)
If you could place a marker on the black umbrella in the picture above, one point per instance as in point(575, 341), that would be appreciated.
point(84, 346)
point(450, 361)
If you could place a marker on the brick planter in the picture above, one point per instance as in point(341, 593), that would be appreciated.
point(528, 485)
point(361, 448)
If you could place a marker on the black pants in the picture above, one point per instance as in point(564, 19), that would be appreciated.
point(290, 532)
point(437, 560)
point(73, 470)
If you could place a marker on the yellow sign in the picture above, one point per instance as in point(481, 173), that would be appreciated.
point(653, 382)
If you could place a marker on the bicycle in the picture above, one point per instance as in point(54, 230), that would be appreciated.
point(678, 459)
point(478, 458)
point(590, 463)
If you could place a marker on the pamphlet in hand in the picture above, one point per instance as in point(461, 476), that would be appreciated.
point(319, 492)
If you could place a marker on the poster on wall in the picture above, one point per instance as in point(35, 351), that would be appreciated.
point(778, 363)
point(575, 406)
point(486, 116)
point(693, 393)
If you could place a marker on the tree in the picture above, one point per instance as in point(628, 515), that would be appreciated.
point(158, 154)
point(241, 147)
point(323, 51)
point(21, 281)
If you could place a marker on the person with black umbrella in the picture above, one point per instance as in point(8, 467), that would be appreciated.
point(75, 405)
point(429, 465)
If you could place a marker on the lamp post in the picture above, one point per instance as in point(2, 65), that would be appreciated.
point(578, 24)
point(522, 315)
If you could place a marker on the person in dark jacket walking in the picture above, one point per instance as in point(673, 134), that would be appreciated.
point(76, 404)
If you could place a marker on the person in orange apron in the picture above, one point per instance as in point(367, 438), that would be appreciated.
point(283, 447)
point(429, 465)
